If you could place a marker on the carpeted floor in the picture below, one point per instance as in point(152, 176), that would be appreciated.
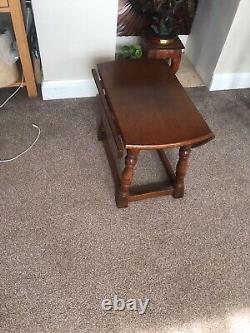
point(65, 246)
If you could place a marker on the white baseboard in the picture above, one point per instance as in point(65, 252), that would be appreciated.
point(68, 89)
point(184, 39)
point(230, 81)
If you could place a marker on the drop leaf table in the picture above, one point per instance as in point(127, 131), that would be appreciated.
point(144, 107)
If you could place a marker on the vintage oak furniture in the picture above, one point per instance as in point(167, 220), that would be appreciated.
point(145, 107)
point(164, 50)
point(15, 9)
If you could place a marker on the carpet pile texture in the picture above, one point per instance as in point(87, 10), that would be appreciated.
point(65, 246)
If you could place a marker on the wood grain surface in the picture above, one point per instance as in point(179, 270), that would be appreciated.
point(151, 108)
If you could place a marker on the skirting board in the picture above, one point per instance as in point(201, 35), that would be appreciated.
point(230, 81)
point(68, 89)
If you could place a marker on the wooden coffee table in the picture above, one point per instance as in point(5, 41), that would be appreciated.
point(144, 107)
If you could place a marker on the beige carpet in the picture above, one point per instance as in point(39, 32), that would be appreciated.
point(65, 246)
point(187, 74)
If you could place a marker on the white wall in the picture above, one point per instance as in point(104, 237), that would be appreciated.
point(233, 67)
point(209, 32)
point(73, 36)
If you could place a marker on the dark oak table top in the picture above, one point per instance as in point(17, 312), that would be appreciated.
point(151, 108)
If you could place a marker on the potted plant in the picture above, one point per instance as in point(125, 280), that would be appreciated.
point(160, 16)
point(155, 18)
point(130, 52)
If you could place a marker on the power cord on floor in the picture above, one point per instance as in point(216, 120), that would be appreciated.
point(26, 150)
point(34, 125)
point(14, 93)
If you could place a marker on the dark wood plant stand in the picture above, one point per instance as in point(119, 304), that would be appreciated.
point(144, 107)
point(172, 52)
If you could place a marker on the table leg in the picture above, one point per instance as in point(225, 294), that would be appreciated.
point(126, 178)
point(181, 171)
point(100, 132)
point(175, 62)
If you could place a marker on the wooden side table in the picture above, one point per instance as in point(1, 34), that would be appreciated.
point(144, 107)
point(171, 51)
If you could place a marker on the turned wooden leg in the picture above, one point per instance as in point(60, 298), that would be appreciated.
point(181, 171)
point(126, 178)
point(175, 62)
point(100, 132)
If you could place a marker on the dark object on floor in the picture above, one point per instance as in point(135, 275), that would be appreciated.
point(146, 108)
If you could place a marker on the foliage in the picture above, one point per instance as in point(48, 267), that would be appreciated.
point(159, 14)
point(130, 52)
